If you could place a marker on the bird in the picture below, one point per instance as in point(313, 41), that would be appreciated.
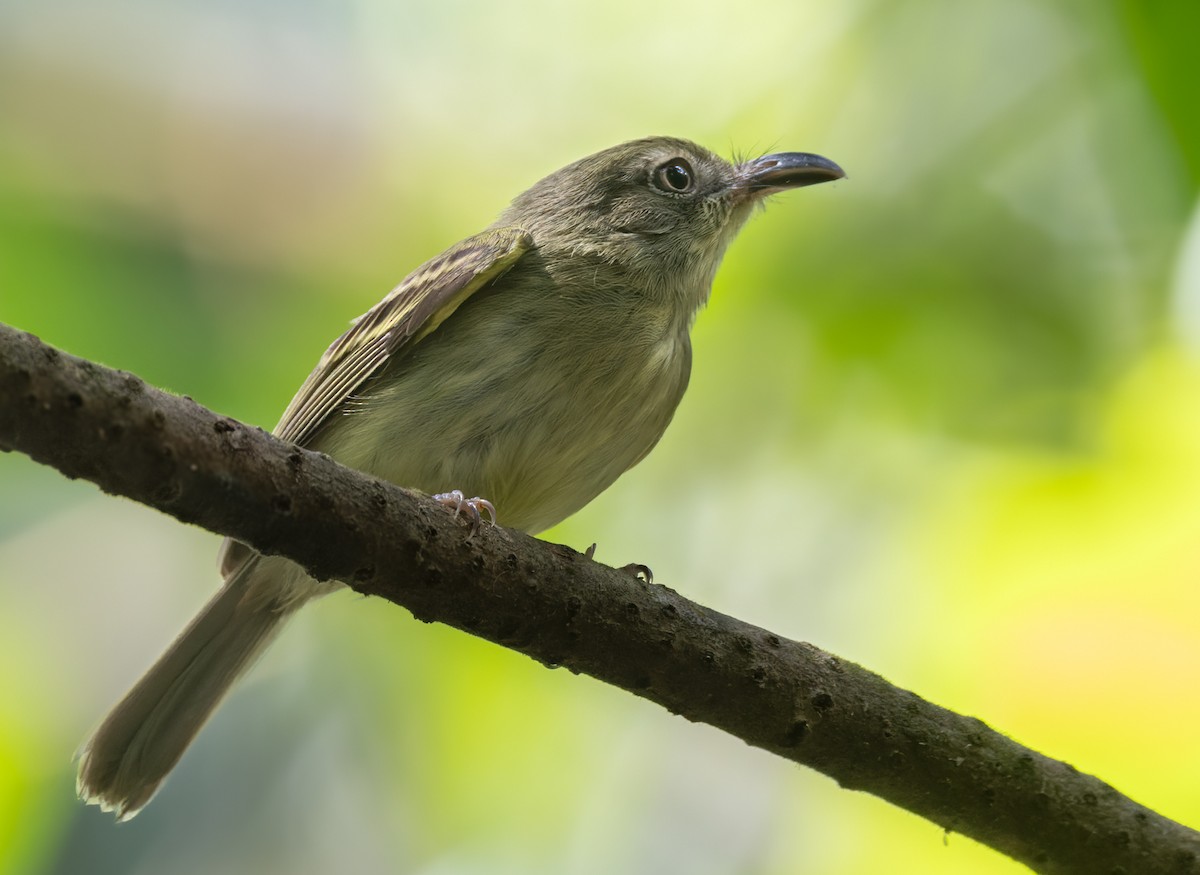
point(529, 365)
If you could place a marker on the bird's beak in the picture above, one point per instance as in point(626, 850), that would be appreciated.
point(772, 173)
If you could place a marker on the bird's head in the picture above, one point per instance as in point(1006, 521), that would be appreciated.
point(661, 207)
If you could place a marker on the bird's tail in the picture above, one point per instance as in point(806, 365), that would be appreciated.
point(143, 737)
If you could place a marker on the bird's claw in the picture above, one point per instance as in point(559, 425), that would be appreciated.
point(636, 570)
point(471, 506)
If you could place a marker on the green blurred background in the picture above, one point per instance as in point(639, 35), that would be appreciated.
point(943, 419)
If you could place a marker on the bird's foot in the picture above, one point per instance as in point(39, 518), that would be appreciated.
point(633, 569)
point(638, 571)
point(470, 506)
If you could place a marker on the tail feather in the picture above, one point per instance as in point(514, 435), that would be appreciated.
point(122, 765)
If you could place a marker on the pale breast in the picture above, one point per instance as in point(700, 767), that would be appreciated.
point(538, 412)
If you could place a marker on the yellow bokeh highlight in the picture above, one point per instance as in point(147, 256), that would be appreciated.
point(1072, 585)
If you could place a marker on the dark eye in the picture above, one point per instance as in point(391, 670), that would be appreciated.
point(674, 176)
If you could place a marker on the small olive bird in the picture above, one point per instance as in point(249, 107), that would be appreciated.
point(533, 364)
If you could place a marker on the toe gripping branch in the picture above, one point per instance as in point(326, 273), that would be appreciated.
point(633, 569)
point(470, 507)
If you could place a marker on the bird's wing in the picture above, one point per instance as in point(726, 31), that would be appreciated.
point(410, 312)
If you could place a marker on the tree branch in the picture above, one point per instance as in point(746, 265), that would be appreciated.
point(556, 606)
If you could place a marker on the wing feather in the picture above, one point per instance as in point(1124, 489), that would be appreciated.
point(409, 312)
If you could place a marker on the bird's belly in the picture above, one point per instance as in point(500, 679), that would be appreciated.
point(539, 431)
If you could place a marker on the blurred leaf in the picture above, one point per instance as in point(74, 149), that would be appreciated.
point(1163, 36)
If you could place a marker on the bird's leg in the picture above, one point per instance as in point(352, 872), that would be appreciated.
point(460, 503)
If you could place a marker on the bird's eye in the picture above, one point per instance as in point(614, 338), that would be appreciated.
point(675, 176)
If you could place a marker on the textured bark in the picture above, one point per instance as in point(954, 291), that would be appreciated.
point(559, 608)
